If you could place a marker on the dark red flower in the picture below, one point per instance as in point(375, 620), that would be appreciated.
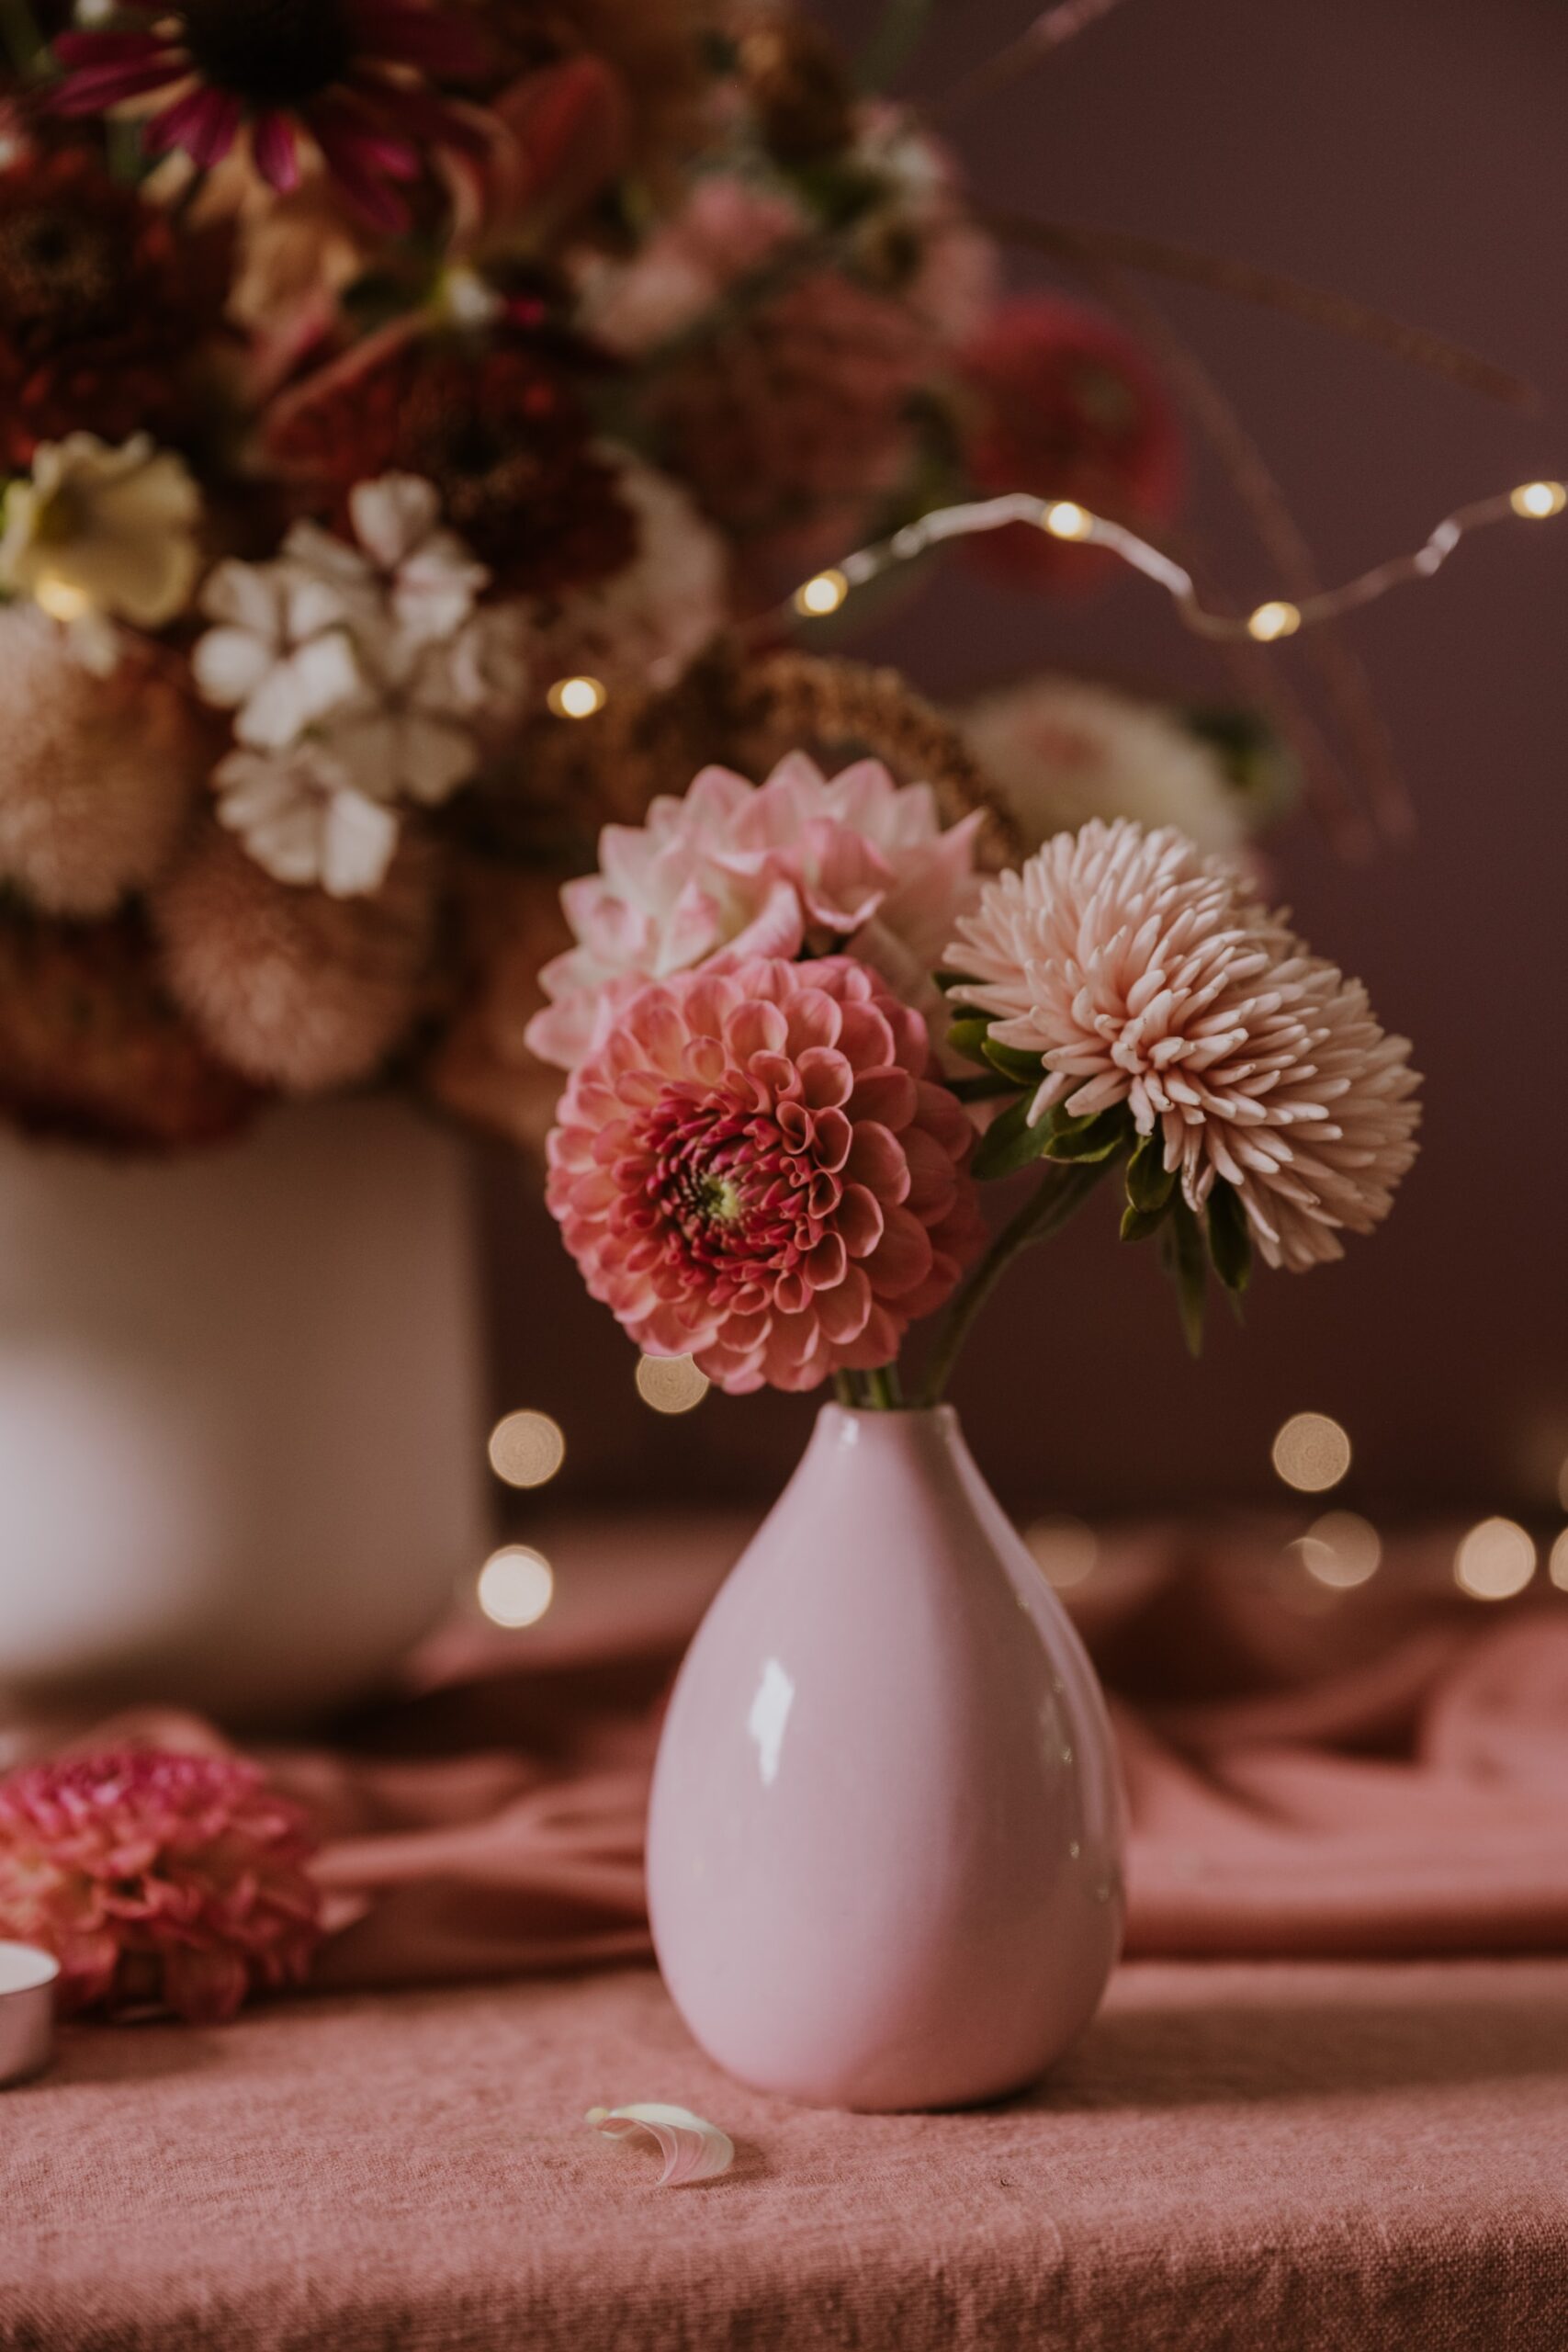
point(1061, 402)
point(498, 427)
point(352, 77)
point(102, 299)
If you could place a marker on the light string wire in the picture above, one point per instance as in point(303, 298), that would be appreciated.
point(1276, 617)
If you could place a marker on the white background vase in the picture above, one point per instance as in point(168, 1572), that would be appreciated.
point(242, 1426)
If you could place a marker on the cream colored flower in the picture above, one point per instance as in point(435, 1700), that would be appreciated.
point(1142, 973)
point(303, 822)
point(1062, 750)
point(365, 672)
point(281, 658)
point(105, 534)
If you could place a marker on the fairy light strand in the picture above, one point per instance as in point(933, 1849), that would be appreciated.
point(1270, 623)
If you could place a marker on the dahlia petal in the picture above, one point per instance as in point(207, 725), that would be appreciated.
point(755, 1027)
point(903, 1256)
point(877, 1160)
point(826, 1078)
point(844, 1310)
point(889, 1097)
point(834, 1139)
point(859, 1220)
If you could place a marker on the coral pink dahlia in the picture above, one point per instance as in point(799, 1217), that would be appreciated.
point(755, 1169)
point(157, 1877)
point(350, 76)
point(1144, 973)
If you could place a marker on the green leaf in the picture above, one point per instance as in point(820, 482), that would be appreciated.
point(1150, 1182)
point(1142, 1225)
point(969, 1036)
point(1230, 1237)
point(1023, 1069)
point(1188, 1265)
point(1009, 1143)
point(1092, 1138)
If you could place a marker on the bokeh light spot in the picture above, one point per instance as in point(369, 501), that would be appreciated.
point(1340, 1549)
point(526, 1449)
point(516, 1586)
point(1311, 1452)
point(1065, 1549)
point(671, 1384)
point(1495, 1560)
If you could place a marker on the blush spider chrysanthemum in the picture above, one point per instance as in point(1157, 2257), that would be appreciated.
point(352, 77)
point(1145, 974)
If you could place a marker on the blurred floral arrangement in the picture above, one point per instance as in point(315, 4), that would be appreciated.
point(383, 387)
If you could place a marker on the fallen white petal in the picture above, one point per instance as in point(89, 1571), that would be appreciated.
point(692, 2149)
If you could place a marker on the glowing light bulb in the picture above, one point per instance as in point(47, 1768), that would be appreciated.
point(1537, 500)
point(526, 1449)
point(671, 1384)
point(1557, 1564)
point(1494, 1561)
point(1067, 1550)
point(821, 595)
point(1311, 1452)
point(1341, 1550)
point(1066, 520)
point(468, 300)
point(1275, 619)
point(515, 1586)
point(577, 698)
point(62, 601)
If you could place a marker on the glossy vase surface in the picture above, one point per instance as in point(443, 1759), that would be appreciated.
point(242, 1413)
point(885, 1846)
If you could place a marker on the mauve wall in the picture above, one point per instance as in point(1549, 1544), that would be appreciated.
point(1413, 157)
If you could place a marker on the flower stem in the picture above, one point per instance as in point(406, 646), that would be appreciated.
point(882, 1387)
point(1060, 1193)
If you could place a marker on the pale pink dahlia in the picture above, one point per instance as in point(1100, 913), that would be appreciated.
point(754, 1169)
point(800, 865)
point(157, 1877)
point(1144, 973)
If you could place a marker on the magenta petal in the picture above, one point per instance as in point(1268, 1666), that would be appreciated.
point(368, 193)
point(90, 50)
point(436, 40)
point(203, 122)
point(427, 118)
point(276, 151)
point(99, 88)
point(359, 140)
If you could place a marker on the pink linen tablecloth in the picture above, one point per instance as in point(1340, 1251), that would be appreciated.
point(1345, 2157)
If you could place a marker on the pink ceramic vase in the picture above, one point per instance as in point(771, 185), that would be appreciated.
point(885, 1839)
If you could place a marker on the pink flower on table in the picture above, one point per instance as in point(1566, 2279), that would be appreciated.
point(1144, 973)
point(801, 863)
point(756, 1169)
point(350, 79)
point(158, 1877)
